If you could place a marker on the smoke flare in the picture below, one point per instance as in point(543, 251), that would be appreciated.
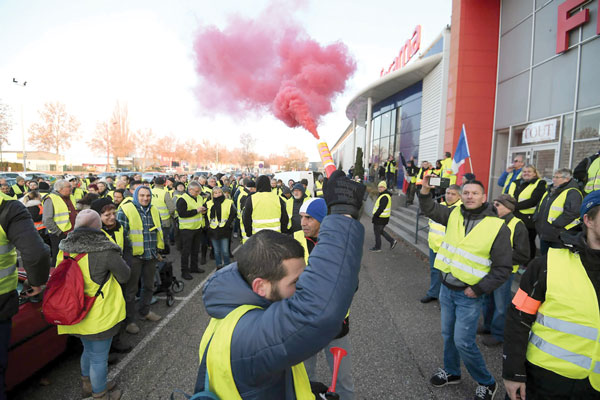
point(270, 63)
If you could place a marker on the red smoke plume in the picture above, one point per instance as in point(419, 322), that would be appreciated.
point(270, 62)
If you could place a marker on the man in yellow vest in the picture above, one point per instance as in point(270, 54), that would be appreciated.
point(447, 171)
point(391, 168)
point(496, 303)
point(319, 186)
point(552, 336)
point(162, 199)
point(558, 211)
point(59, 214)
point(19, 188)
point(17, 232)
point(5, 189)
point(262, 328)
point(511, 174)
point(587, 173)
point(435, 238)
point(474, 258)
point(141, 224)
point(264, 209)
point(382, 210)
point(191, 208)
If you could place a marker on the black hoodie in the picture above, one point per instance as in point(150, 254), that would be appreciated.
point(263, 184)
point(550, 231)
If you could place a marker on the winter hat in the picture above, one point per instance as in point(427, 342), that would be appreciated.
point(382, 184)
point(591, 200)
point(316, 208)
point(304, 181)
point(507, 201)
point(43, 186)
point(298, 186)
point(98, 204)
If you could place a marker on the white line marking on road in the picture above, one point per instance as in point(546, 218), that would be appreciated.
point(125, 361)
point(175, 297)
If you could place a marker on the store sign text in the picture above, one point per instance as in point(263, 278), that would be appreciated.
point(410, 48)
point(567, 22)
point(540, 131)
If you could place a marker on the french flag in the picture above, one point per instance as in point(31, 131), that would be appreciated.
point(460, 155)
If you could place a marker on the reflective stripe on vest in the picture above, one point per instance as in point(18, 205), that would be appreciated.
point(158, 200)
point(565, 337)
point(526, 195)
point(388, 208)
point(557, 208)
point(136, 228)
point(225, 209)
point(9, 276)
point(61, 212)
point(593, 176)
point(266, 211)
point(299, 236)
point(119, 236)
point(39, 225)
point(108, 309)
point(512, 225)
point(195, 221)
point(467, 257)
point(219, 334)
point(507, 182)
point(319, 189)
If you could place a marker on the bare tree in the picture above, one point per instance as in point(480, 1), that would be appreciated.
point(54, 130)
point(294, 159)
point(5, 126)
point(103, 140)
point(123, 141)
point(247, 150)
point(146, 145)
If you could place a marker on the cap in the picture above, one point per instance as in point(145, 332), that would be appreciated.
point(298, 186)
point(507, 201)
point(316, 208)
point(591, 200)
point(382, 184)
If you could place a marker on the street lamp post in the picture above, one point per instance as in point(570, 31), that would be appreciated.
point(23, 85)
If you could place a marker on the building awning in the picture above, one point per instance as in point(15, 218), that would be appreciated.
point(389, 85)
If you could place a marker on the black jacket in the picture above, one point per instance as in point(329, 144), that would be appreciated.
point(215, 212)
point(520, 254)
point(533, 201)
point(550, 231)
point(263, 185)
point(377, 220)
point(297, 203)
point(518, 323)
point(500, 253)
point(580, 171)
point(35, 254)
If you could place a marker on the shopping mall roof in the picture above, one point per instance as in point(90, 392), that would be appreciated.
point(389, 85)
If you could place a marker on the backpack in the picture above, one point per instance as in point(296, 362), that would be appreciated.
point(65, 302)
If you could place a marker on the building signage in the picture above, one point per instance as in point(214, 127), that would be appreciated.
point(410, 48)
point(540, 131)
point(568, 20)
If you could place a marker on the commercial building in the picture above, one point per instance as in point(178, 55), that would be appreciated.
point(521, 75)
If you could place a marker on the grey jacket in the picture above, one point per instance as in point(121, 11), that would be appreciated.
point(48, 216)
point(520, 253)
point(104, 257)
point(550, 231)
point(500, 253)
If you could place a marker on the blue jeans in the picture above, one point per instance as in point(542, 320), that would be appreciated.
point(94, 362)
point(460, 315)
point(495, 305)
point(345, 385)
point(435, 277)
point(221, 247)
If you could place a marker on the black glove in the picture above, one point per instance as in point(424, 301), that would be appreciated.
point(321, 393)
point(343, 195)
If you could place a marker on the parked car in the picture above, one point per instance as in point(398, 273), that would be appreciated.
point(36, 175)
point(33, 342)
point(149, 176)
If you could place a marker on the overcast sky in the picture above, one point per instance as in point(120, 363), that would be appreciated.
point(89, 54)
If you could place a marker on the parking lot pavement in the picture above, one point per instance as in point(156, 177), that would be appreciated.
point(396, 340)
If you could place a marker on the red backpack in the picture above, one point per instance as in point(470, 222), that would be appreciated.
point(65, 302)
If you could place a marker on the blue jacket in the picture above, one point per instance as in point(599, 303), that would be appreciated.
point(267, 342)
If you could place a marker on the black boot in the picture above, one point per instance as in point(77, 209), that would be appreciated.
point(185, 274)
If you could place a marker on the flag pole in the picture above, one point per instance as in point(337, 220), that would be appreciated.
point(468, 150)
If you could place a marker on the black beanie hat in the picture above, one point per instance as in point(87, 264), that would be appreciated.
point(98, 204)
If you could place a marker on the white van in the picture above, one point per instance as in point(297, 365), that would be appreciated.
point(297, 176)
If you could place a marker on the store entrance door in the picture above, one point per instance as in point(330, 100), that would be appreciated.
point(544, 158)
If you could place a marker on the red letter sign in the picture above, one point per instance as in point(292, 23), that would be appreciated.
point(566, 23)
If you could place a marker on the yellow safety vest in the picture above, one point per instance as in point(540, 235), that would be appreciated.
point(78, 194)
point(243, 192)
point(319, 189)
point(136, 228)
point(158, 200)
point(557, 208)
point(512, 225)
point(125, 201)
point(219, 334)
point(17, 189)
point(437, 231)
point(9, 276)
point(565, 337)
point(467, 257)
point(108, 309)
point(388, 208)
point(215, 223)
point(119, 236)
point(266, 212)
point(593, 177)
point(447, 171)
point(299, 236)
point(61, 212)
point(525, 195)
point(196, 221)
point(507, 182)
point(391, 168)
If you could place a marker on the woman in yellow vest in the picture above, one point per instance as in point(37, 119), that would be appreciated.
point(221, 214)
point(382, 210)
point(528, 191)
point(552, 338)
point(101, 265)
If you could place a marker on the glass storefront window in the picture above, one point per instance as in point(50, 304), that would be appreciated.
point(386, 120)
point(375, 152)
point(517, 133)
point(582, 150)
point(565, 148)
point(376, 133)
point(588, 124)
point(384, 147)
